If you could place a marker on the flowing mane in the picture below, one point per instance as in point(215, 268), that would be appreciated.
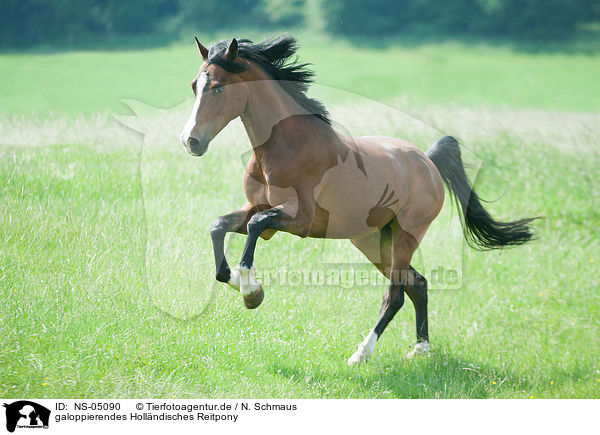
point(274, 56)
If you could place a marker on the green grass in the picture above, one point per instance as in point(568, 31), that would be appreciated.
point(452, 73)
point(88, 311)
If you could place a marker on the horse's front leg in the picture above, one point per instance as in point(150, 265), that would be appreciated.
point(280, 218)
point(232, 222)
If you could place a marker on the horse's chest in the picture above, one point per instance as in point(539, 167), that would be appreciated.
point(255, 190)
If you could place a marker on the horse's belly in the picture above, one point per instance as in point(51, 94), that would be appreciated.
point(343, 226)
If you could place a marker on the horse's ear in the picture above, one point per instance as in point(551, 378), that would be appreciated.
point(232, 50)
point(202, 49)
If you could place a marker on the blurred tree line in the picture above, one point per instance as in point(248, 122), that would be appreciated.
point(31, 22)
point(539, 19)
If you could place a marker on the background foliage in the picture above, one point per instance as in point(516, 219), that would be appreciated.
point(545, 19)
point(29, 22)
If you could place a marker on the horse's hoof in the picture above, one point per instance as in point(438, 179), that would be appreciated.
point(250, 288)
point(253, 300)
point(359, 357)
point(422, 348)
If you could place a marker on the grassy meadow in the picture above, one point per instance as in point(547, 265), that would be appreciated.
point(105, 260)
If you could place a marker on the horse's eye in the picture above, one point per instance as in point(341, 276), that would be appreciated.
point(217, 90)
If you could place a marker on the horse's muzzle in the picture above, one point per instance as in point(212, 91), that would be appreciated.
point(197, 147)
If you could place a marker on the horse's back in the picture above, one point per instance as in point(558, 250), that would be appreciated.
point(404, 157)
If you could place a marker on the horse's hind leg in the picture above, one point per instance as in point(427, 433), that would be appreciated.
point(377, 247)
point(403, 245)
point(417, 292)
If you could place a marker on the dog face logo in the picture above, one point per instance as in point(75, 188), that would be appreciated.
point(26, 414)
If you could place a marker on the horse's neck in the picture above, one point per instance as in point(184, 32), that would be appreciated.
point(270, 106)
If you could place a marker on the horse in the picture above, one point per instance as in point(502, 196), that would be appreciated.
point(307, 179)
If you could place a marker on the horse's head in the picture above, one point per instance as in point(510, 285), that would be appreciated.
point(219, 96)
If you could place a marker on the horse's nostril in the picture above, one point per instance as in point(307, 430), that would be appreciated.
point(193, 143)
point(197, 147)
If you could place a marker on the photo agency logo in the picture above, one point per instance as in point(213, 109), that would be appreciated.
point(25, 414)
point(188, 199)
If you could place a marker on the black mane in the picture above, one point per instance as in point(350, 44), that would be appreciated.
point(273, 55)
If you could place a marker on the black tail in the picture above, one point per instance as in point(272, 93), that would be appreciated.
point(480, 229)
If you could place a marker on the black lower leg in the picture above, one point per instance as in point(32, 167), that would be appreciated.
point(392, 302)
point(233, 222)
point(217, 235)
point(417, 292)
point(256, 225)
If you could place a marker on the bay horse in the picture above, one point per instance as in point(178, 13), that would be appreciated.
point(299, 179)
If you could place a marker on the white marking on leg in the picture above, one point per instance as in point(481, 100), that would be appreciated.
point(191, 122)
point(365, 349)
point(234, 279)
point(421, 348)
point(248, 282)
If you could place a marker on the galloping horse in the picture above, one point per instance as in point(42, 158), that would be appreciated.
point(295, 180)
